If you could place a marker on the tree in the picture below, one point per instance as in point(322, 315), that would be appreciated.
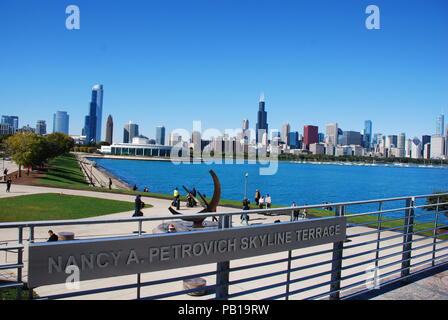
point(27, 149)
point(433, 200)
point(59, 144)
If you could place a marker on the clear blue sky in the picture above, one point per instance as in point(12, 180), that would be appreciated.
point(171, 62)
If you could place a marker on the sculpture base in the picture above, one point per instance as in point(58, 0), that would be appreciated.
point(185, 226)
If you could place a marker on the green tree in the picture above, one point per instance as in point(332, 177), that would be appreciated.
point(59, 144)
point(433, 200)
point(27, 149)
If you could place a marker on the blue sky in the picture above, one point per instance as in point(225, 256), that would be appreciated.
point(169, 62)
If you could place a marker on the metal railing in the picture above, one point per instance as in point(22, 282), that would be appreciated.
point(392, 248)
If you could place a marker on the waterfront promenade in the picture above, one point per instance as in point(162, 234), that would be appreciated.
point(160, 209)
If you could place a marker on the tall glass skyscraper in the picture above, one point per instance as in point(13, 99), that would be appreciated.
point(60, 122)
point(440, 125)
point(160, 135)
point(262, 120)
point(97, 98)
point(367, 138)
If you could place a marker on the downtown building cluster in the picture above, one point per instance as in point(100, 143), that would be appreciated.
point(334, 141)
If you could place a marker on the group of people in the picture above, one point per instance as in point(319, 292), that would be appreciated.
point(263, 202)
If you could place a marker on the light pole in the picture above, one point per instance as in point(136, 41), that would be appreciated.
point(245, 185)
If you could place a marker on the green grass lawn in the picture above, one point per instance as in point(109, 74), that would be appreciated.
point(53, 206)
point(64, 171)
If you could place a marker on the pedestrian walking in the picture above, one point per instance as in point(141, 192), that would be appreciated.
point(257, 196)
point(268, 201)
point(8, 184)
point(244, 215)
point(295, 212)
point(176, 201)
point(110, 183)
point(139, 205)
point(260, 202)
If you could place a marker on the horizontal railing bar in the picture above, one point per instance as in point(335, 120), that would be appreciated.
point(11, 266)
point(11, 285)
point(14, 247)
point(204, 215)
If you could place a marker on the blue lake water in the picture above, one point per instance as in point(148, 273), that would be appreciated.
point(302, 183)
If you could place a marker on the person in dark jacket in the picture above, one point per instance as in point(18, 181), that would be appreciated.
point(53, 236)
point(8, 184)
point(139, 205)
point(245, 216)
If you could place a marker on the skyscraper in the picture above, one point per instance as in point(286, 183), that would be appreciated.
point(130, 131)
point(286, 129)
point(97, 98)
point(160, 135)
point(61, 122)
point(262, 124)
point(245, 124)
point(109, 130)
point(332, 133)
point(310, 135)
point(41, 127)
point(91, 121)
point(367, 137)
point(13, 121)
point(440, 124)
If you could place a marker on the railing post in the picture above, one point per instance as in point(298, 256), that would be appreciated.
point(336, 264)
point(407, 238)
point(288, 275)
point(139, 277)
point(222, 268)
point(19, 261)
point(378, 239)
point(31, 240)
point(434, 234)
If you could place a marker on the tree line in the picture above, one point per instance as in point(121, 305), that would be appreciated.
point(31, 150)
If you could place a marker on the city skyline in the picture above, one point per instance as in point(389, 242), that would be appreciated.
point(312, 70)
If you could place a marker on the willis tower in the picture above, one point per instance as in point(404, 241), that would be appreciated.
point(262, 124)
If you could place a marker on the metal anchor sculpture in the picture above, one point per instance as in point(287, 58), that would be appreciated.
point(209, 207)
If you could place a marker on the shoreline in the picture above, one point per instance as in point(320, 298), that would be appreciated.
point(246, 161)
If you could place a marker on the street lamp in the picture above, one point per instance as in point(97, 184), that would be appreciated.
point(245, 185)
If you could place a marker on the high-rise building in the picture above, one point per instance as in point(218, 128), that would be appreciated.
point(426, 139)
point(13, 121)
point(109, 130)
point(367, 134)
point(332, 133)
point(351, 138)
point(41, 127)
point(130, 131)
point(310, 135)
point(91, 121)
point(97, 98)
point(262, 122)
point(416, 148)
point(160, 135)
point(245, 124)
point(321, 137)
point(61, 122)
point(286, 129)
point(437, 149)
point(440, 124)
point(294, 140)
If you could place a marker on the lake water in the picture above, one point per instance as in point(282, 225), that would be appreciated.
point(302, 183)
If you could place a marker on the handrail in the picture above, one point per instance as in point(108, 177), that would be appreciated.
point(209, 214)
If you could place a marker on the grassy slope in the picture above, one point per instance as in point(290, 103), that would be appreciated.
point(51, 206)
point(64, 171)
